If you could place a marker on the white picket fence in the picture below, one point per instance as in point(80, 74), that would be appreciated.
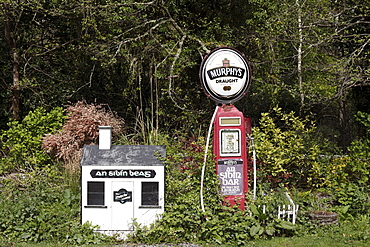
point(285, 212)
point(288, 212)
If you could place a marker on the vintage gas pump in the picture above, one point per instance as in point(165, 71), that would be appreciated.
point(226, 76)
point(230, 150)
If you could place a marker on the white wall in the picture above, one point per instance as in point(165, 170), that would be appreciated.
point(108, 218)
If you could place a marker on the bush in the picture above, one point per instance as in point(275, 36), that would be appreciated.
point(81, 128)
point(285, 153)
point(21, 143)
point(346, 177)
point(288, 158)
point(38, 207)
point(184, 221)
point(353, 190)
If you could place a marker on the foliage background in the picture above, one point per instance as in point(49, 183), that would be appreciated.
point(141, 58)
point(139, 61)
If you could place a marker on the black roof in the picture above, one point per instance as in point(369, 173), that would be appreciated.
point(124, 155)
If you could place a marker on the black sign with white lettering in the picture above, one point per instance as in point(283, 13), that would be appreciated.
point(122, 196)
point(230, 173)
point(122, 173)
point(230, 162)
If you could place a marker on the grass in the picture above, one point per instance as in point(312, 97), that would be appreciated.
point(348, 233)
point(311, 241)
point(305, 241)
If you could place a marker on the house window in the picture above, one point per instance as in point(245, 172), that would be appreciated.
point(149, 193)
point(95, 193)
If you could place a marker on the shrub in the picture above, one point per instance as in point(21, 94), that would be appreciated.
point(21, 143)
point(285, 152)
point(81, 128)
point(39, 207)
point(184, 221)
point(353, 190)
point(359, 151)
point(346, 177)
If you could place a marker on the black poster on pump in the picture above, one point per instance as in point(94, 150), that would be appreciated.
point(230, 173)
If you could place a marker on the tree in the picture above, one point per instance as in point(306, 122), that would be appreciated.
point(157, 60)
point(142, 57)
point(11, 22)
point(303, 63)
point(43, 63)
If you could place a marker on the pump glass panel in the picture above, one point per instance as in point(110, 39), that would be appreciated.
point(230, 142)
point(149, 193)
point(235, 121)
point(95, 193)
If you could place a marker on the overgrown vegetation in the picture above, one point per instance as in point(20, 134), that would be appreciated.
point(290, 161)
point(40, 195)
point(41, 206)
point(141, 59)
point(80, 128)
point(184, 221)
point(20, 145)
point(40, 202)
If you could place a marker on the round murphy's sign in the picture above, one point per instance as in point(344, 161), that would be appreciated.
point(225, 75)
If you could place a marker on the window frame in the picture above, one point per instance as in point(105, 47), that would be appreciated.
point(95, 198)
point(147, 196)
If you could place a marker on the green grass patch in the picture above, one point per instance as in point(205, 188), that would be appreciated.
point(310, 240)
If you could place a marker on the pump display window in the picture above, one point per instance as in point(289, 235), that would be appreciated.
point(230, 142)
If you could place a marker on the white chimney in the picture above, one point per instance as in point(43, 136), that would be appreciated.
point(105, 137)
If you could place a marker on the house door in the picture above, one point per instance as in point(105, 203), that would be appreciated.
point(122, 205)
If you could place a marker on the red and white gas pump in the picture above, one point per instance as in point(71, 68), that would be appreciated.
point(225, 76)
point(230, 150)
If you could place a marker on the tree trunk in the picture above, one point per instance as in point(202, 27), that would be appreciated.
point(10, 36)
point(299, 58)
point(16, 86)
